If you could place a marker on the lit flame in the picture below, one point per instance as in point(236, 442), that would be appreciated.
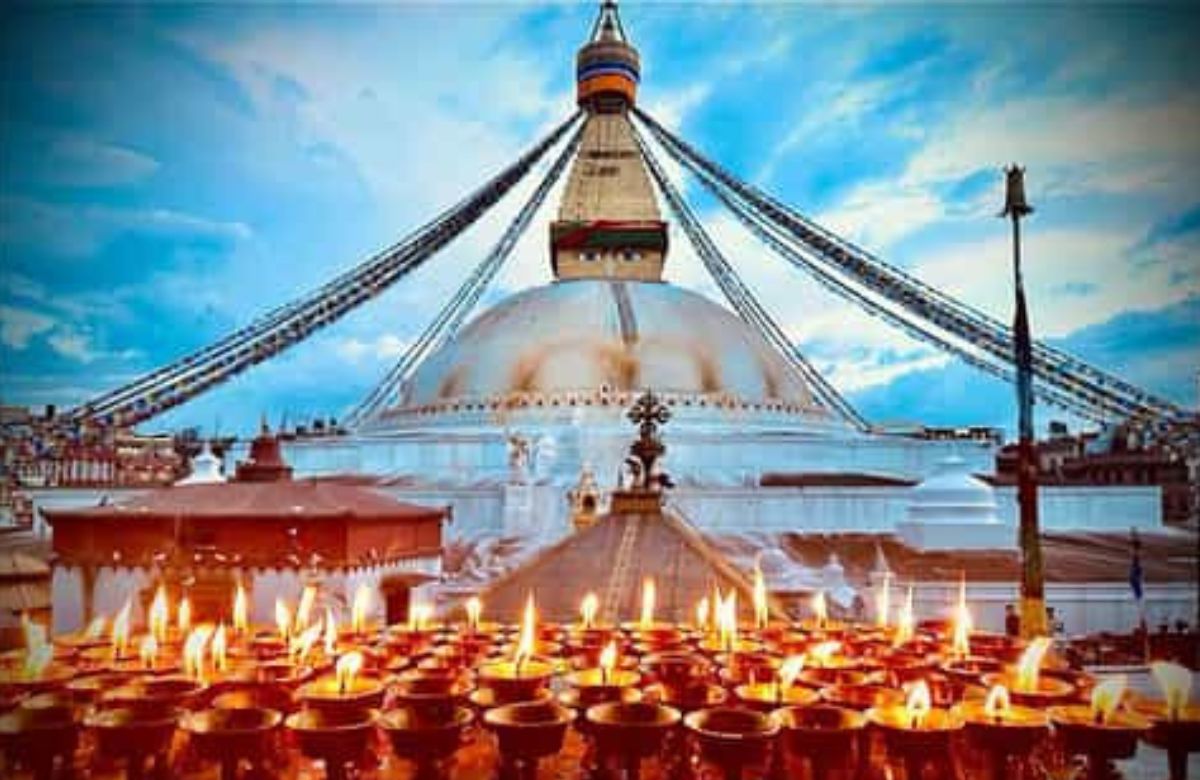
point(159, 615)
point(241, 611)
point(702, 613)
point(148, 651)
point(95, 629)
point(1029, 668)
point(120, 630)
point(997, 706)
point(823, 653)
point(608, 660)
point(302, 645)
point(308, 597)
point(906, 622)
point(474, 610)
point(588, 609)
point(883, 603)
point(38, 650)
point(648, 595)
point(331, 633)
point(1176, 684)
point(346, 669)
point(183, 618)
point(525, 644)
point(761, 613)
point(360, 609)
point(789, 670)
point(419, 617)
point(1106, 697)
point(820, 608)
point(918, 704)
point(727, 623)
point(193, 652)
point(219, 649)
point(961, 641)
point(283, 619)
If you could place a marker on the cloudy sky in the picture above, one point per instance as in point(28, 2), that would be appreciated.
point(167, 173)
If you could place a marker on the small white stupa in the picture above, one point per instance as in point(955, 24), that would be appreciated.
point(954, 510)
point(206, 469)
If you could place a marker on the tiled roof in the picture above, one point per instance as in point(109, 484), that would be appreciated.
point(303, 499)
point(612, 558)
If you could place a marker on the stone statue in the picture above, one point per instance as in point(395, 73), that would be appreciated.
point(518, 457)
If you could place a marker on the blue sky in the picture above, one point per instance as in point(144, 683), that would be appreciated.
point(167, 173)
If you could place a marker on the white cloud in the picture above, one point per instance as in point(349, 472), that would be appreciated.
point(879, 214)
point(18, 326)
point(73, 344)
point(80, 231)
point(385, 347)
point(86, 162)
point(1065, 135)
point(1074, 277)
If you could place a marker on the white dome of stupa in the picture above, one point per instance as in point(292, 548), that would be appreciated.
point(206, 469)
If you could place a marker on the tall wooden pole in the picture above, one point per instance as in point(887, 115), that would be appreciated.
point(1033, 576)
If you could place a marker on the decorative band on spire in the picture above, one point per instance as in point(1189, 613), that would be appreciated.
point(607, 68)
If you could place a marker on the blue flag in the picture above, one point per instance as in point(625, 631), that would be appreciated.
point(1135, 576)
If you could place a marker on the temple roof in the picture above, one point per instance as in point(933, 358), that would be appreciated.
point(307, 499)
point(612, 558)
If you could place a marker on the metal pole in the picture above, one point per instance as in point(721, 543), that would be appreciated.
point(1033, 576)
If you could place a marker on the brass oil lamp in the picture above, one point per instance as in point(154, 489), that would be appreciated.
point(1006, 734)
point(823, 735)
point(1103, 731)
point(1174, 722)
point(917, 734)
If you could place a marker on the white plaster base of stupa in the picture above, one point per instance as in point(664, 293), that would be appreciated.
point(952, 535)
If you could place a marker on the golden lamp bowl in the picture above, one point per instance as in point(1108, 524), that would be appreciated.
point(821, 677)
point(732, 737)
point(932, 733)
point(87, 689)
point(231, 734)
point(54, 677)
point(594, 686)
point(335, 736)
point(40, 729)
point(738, 668)
point(431, 697)
point(363, 693)
point(528, 731)
point(635, 729)
point(256, 696)
point(697, 697)
point(1083, 734)
point(50, 709)
point(1018, 730)
point(812, 729)
point(970, 671)
point(862, 696)
point(769, 696)
point(1178, 733)
point(484, 699)
point(415, 735)
point(676, 670)
point(131, 733)
point(512, 684)
point(154, 696)
point(1050, 691)
point(579, 700)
